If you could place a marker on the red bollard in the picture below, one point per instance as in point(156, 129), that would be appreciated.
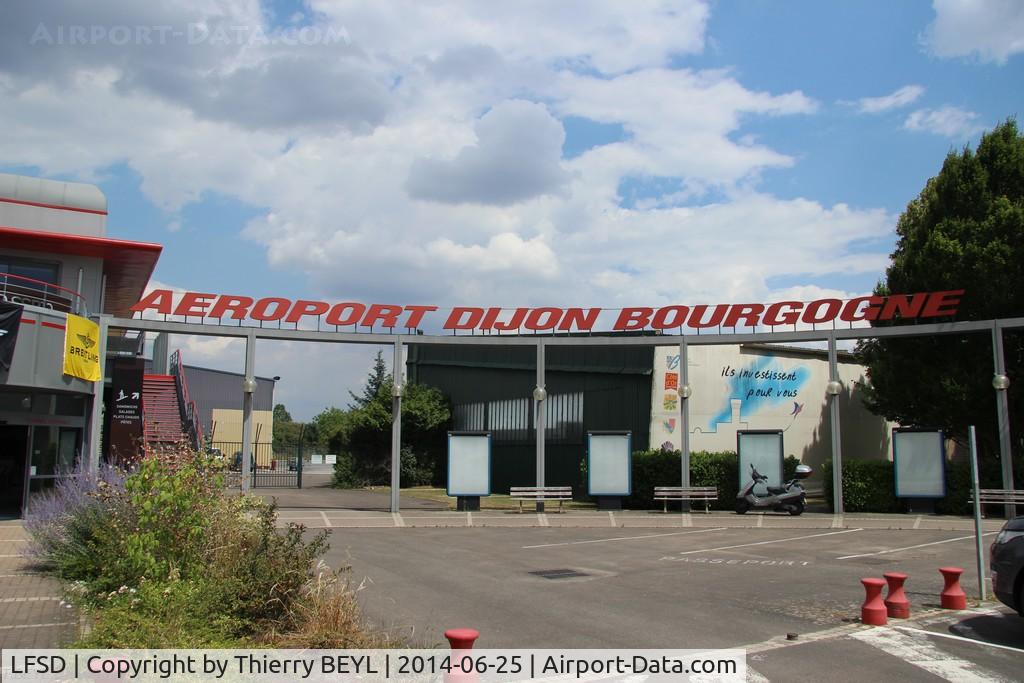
point(872, 612)
point(896, 604)
point(462, 665)
point(462, 638)
point(952, 596)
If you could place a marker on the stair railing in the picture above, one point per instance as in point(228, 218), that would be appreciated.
point(189, 412)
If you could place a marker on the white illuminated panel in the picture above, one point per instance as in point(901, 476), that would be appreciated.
point(764, 452)
point(608, 466)
point(469, 464)
point(919, 461)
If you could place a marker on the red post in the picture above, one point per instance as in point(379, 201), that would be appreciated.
point(896, 604)
point(872, 612)
point(461, 640)
point(952, 596)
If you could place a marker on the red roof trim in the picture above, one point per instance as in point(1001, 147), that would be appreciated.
point(82, 239)
point(8, 200)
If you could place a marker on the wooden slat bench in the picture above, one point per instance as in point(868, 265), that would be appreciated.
point(999, 497)
point(541, 494)
point(686, 493)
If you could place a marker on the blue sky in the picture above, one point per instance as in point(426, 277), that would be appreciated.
point(528, 154)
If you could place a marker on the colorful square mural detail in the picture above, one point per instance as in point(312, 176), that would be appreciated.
point(671, 380)
point(670, 401)
point(669, 425)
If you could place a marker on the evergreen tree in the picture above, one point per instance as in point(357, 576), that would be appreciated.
point(964, 231)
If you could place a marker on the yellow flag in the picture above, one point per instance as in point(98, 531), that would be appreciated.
point(82, 349)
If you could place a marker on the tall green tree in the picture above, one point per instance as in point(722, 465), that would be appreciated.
point(374, 383)
point(287, 432)
point(964, 231)
point(363, 441)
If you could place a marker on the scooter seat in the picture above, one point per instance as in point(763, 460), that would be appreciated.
point(776, 489)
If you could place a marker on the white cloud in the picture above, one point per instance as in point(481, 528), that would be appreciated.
point(504, 252)
point(516, 157)
point(461, 105)
point(900, 98)
point(987, 30)
point(948, 121)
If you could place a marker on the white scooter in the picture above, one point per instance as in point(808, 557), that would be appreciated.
point(789, 497)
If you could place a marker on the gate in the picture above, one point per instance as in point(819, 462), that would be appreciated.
point(271, 468)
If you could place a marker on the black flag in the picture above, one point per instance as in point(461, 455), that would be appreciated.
point(10, 321)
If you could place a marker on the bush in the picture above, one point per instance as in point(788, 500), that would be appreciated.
point(326, 616)
point(868, 486)
point(70, 525)
point(345, 473)
point(417, 468)
point(166, 557)
point(174, 614)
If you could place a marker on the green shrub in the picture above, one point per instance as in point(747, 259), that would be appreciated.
point(417, 468)
point(345, 472)
point(164, 614)
point(868, 486)
point(259, 569)
point(167, 557)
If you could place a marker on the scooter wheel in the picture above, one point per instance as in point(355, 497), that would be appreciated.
point(741, 507)
point(797, 509)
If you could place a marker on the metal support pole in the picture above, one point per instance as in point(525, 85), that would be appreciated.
point(976, 494)
point(298, 463)
point(92, 455)
point(1003, 413)
point(684, 418)
point(396, 427)
point(540, 397)
point(250, 380)
point(837, 449)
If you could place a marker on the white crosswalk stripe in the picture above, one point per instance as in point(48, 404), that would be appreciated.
point(918, 650)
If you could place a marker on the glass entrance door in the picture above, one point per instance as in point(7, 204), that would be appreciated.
point(13, 456)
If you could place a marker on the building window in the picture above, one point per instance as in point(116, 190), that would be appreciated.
point(34, 270)
point(30, 283)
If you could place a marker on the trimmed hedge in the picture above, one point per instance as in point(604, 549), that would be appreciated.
point(663, 468)
point(869, 485)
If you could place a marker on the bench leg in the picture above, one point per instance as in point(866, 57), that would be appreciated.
point(520, 506)
point(664, 506)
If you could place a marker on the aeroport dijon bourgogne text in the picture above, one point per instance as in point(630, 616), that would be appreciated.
point(701, 316)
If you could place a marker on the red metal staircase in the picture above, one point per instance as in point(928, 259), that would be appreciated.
point(162, 410)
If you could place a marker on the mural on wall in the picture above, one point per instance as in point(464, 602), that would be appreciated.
point(762, 385)
point(756, 387)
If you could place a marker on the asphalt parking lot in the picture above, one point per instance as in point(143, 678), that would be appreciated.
point(697, 587)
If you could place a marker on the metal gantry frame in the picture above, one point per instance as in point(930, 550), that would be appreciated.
point(831, 335)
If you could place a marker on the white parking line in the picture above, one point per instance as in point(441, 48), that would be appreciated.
point(913, 547)
point(623, 538)
point(323, 516)
point(54, 623)
point(960, 638)
point(780, 540)
point(920, 652)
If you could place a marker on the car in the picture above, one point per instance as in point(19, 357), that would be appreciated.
point(1007, 563)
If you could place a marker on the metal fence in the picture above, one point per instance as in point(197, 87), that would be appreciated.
point(270, 468)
